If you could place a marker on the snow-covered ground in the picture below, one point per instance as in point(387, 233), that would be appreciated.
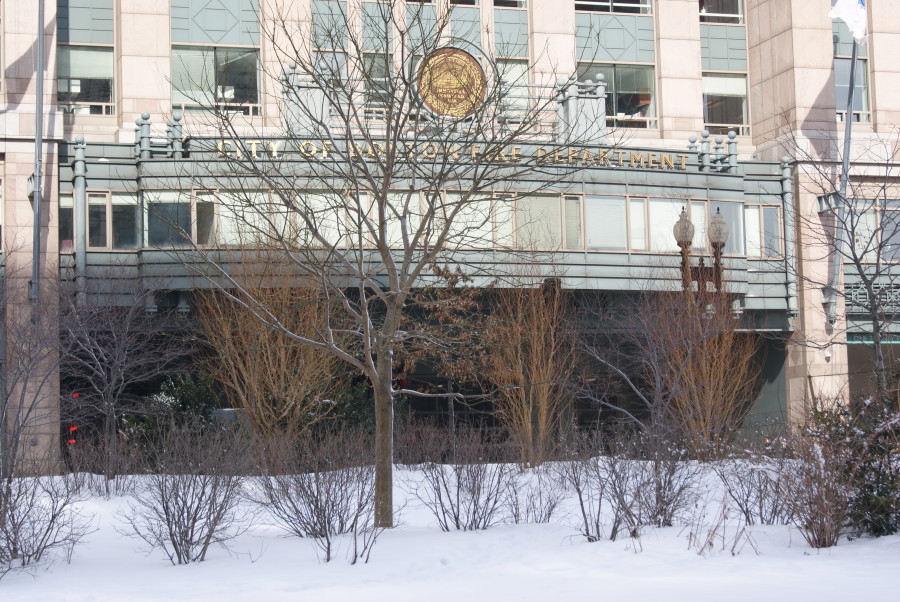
point(417, 561)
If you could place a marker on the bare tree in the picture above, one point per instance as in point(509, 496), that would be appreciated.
point(109, 349)
point(398, 153)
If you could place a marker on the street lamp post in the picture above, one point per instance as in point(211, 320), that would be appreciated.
point(718, 236)
point(717, 231)
point(684, 236)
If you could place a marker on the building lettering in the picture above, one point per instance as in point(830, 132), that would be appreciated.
point(431, 151)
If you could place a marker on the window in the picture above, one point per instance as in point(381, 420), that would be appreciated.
point(85, 80)
point(641, 7)
point(204, 76)
point(610, 223)
point(509, 3)
point(112, 220)
point(630, 96)
point(722, 11)
point(242, 217)
point(860, 110)
point(174, 219)
point(514, 94)
point(377, 68)
point(763, 231)
point(890, 231)
point(843, 53)
point(66, 223)
point(725, 103)
point(538, 223)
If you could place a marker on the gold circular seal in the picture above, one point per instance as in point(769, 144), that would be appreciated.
point(451, 82)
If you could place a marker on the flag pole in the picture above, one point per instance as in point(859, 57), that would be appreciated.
point(842, 192)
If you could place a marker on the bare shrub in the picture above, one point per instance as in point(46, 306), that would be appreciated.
point(586, 475)
point(711, 529)
point(631, 481)
point(533, 495)
point(190, 500)
point(39, 520)
point(755, 488)
point(467, 492)
point(90, 464)
point(817, 489)
point(322, 486)
point(667, 479)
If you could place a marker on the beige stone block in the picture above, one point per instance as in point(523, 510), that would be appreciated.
point(811, 48)
point(678, 20)
point(679, 58)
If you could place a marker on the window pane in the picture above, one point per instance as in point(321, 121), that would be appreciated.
point(721, 11)
point(699, 218)
point(96, 220)
point(634, 91)
point(754, 244)
point(513, 94)
point(85, 74)
point(241, 220)
point(377, 69)
point(725, 99)
point(193, 75)
point(124, 221)
point(472, 226)
point(771, 232)
point(236, 79)
point(638, 223)
point(663, 215)
point(538, 222)
point(605, 225)
point(65, 217)
point(206, 211)
point(841, 84)
point(733, 214)
point(573, 222)
point(168, 220)
point(504, 205)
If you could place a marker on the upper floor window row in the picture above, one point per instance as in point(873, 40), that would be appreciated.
point(614, 223)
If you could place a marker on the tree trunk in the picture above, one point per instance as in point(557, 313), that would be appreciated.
point(384, 447)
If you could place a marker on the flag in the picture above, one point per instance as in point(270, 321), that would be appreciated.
point(853, 13)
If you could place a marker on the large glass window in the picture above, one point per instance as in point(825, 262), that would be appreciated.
point(204, 76)
point(722, 11)
point(630, 92)
point(85, 79)
point(725, 103)
point(614, 6)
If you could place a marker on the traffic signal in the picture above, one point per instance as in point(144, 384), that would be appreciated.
point(71, 434)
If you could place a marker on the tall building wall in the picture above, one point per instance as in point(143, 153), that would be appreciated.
point(782, 49)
